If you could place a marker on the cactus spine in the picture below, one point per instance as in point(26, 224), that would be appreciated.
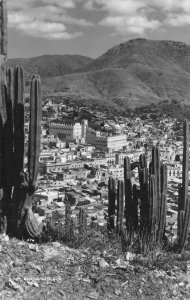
point(184, 201)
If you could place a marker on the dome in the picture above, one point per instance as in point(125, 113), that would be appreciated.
point(117, 128)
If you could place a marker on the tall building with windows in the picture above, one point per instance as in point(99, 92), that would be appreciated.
point(68, 131)
point(103, 141)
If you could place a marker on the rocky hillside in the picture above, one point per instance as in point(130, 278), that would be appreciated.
point(56, 271)
point(134, 73)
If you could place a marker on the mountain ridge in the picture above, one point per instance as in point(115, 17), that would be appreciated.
point(134, 73)
point(50, 65)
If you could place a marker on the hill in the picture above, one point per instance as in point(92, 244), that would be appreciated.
point(131, 74)
point(165, 55)
point(51, 65)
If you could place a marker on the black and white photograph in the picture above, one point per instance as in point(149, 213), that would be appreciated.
point(94, 149)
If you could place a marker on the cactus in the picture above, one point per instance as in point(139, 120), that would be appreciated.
point(120, 203)
point(152, 204)
point(18, 144)
point(3, 18)
point(150, 223)
point(135, 207)
point(128, 191)
point(34, 139)
point(184, 201)
point(153, 194)
point(16, 187)
point(111, 203)
point(34, 131)
point(3, 119)
point(4, 190)
point(162, 203)
point(7, 162)
point(68, 219)
point(153, 197)
point(131, 198)
point(82, 221)
point(144, 186)
point(19, 135)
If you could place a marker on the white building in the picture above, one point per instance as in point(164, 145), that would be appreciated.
point(102, 141)
point(70, 131)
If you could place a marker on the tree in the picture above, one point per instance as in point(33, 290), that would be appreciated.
point(177, 157)
point(153, 116)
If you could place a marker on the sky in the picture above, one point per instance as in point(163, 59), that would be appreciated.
point(91, 27)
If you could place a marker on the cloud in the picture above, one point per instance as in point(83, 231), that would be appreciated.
point(40, 29)
point(139, 16)
point(45, 18)
point(128, 16)
point(128, 6)
point(133, 24)
point(121, 16)
point(115, 6)
point(61, 3)
point(172, 5)
point(176, 20)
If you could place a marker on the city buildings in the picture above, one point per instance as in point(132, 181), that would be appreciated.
point(78, 156)
point(68, 131)
point(103, 141)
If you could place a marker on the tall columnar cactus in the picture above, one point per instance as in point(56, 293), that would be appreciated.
point(18, 142)
point(29, 185)
point(82, 219)
point(184, 201)
point(144, 186)
point(3, 118)
point(153, 186)
point(162, 205)
point(120, 203)
point(131, 197)
point(68, 218)
point(7, 151)
point(3, 26)
point(128, 193)
point(111, 203)
point(34, 131)
point(135, 207)
point(18, 186)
